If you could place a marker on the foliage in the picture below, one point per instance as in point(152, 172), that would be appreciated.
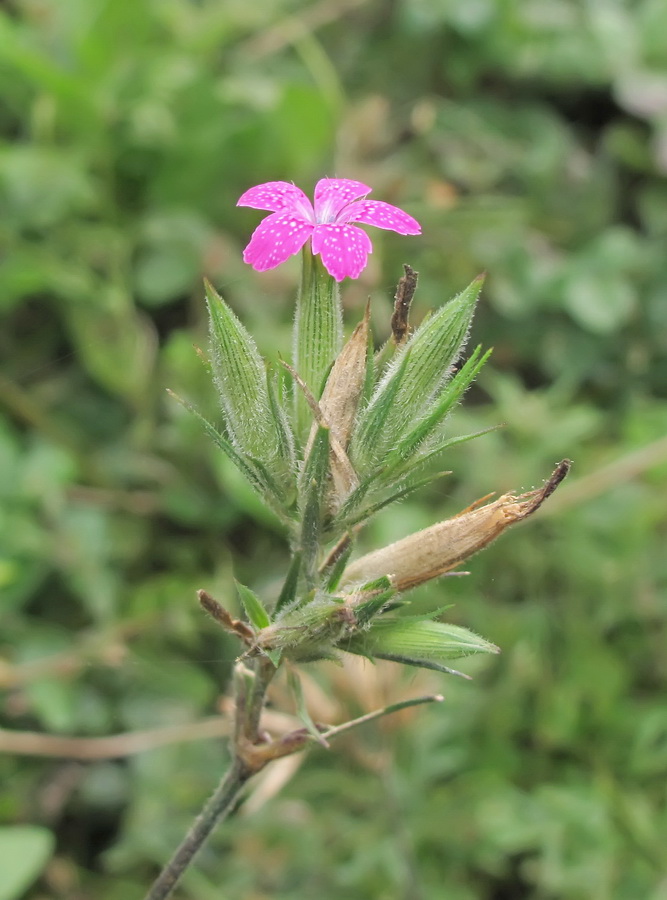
point(528, 139)
point(23, 852)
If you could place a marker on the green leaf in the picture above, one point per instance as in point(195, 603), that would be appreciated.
point(289, 588)
point(281, 421)
point(250, 468)
point(334, 574)
point(432, 453)
point(312, 495)
point(418, 663)
point(318, 333)
point(294, 683)
point(379, 593)
point(405, 393)
point(368, 433)
point(253, 606)
point(24, 851)
point(240, 377)
point(450, 396)
point(275, 656)
point(401, 489)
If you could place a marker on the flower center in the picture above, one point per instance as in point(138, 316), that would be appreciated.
point(326, 214)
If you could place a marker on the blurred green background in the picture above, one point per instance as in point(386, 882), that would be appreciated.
point(529, 137)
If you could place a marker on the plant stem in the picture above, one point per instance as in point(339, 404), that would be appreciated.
point(249, 706)
point(245, 764)
point(216, 809)
point(380, 713)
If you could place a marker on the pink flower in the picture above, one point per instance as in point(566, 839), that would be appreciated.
point(344, 249)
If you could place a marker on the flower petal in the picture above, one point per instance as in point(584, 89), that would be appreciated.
point(343, 248)
point(333, 194)
point(382, 215)
point(275, 239)
point(278, 196)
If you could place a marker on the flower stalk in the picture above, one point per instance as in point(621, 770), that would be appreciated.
point(252, 750)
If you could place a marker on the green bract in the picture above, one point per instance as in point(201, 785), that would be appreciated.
point(409, 392)
point(252, 415)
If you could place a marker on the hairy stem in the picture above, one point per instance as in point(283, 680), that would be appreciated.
point(250, 690)
point(215, 810)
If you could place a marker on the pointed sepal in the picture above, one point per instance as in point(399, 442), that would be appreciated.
point(418, 640)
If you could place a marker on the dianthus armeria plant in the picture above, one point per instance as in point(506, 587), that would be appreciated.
point(327, 441)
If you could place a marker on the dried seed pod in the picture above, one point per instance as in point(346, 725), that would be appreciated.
point(435, 550)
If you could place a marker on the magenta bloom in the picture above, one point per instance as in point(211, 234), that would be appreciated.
point(338, 202)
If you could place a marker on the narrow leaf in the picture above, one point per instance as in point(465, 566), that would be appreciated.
point(401, 489)
point(379, 713)
point(250, 468)
point(312, 496)
point(428, 456)
point(377, 585)
point(420, 663)
point(432, 350)
point(282, 424)
point(253, 606)
point(356, 497)
point(379, 593)
point(337, 566)
point(409, 444)
point(369, 429)
point(301, 709)
point(289, 588)
point(241, 381)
